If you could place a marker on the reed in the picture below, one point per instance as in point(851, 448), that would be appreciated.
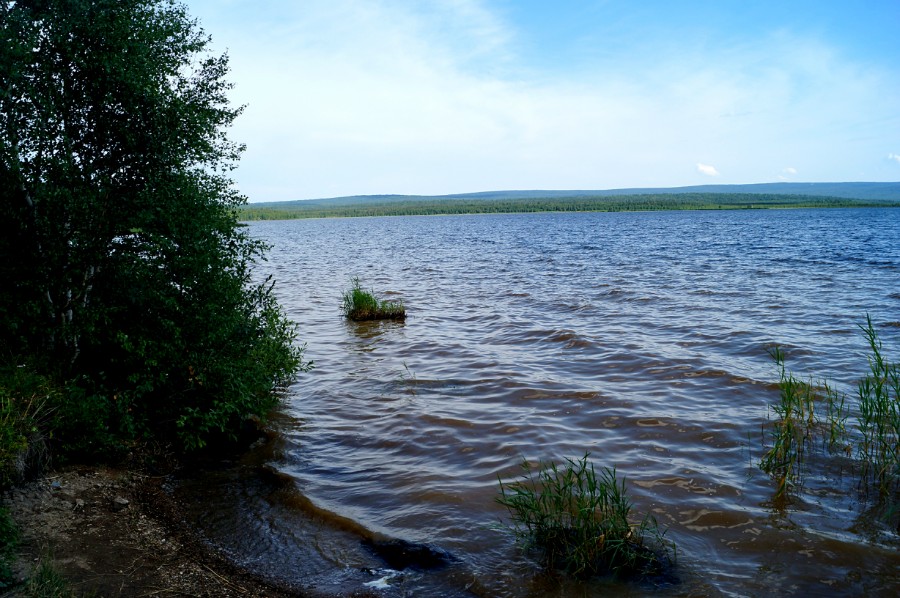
point(791, 429)
point(879, 416)
point(807, 410)
point(360, 305)
point(580, 521)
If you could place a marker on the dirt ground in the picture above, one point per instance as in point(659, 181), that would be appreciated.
point(114, 532)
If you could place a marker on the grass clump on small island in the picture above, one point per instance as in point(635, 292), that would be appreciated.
point(581, 522)
point(359, 305)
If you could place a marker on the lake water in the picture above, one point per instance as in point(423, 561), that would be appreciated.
point(638, 337)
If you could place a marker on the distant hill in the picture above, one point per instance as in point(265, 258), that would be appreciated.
point(889, 192)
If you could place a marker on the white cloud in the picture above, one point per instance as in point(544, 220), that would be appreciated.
point(348, 97)
point(787, 173)
point(707, 169)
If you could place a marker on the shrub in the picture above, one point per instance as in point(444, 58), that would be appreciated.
point(131, 276)
point(580, 521)
point(360, 305)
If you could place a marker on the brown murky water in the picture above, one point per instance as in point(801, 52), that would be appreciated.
point(641, 338)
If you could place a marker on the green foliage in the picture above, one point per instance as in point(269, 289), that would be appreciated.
point(9, 541)
point(580, 521)
point(118, 225)
point(412, 205)
point(359, 305)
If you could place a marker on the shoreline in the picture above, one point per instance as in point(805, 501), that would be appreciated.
point(111, 531)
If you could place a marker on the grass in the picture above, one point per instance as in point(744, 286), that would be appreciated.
point(47, 582)
point(804, 410)
point(581, 522)
point(879, 416)
point(23, 408)
point(807, 411)
point(361, 305)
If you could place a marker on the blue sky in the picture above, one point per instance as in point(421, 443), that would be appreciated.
point(349, 97)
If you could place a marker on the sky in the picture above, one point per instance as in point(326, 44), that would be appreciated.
point(431, 97)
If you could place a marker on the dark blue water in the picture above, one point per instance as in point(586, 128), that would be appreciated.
point(641, 338)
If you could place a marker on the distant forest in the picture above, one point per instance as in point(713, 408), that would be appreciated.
point(497, 204)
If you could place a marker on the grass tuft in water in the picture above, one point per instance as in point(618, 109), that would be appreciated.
point(360, 305)
point(879, 416)
point(807, 410)
point(791, 429)
point(580, 521)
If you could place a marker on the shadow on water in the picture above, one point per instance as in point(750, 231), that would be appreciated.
point(257, 516)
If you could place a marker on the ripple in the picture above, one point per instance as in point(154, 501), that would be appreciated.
point(640, 338)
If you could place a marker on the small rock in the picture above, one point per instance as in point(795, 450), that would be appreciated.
point(79, 504)
point(120, 503)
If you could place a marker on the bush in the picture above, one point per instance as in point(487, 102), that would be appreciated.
point(130, 275)
point(580, 521)
point(360, 305)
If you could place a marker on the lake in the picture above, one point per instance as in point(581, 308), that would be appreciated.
point(641, 338)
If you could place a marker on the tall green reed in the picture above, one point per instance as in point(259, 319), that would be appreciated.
point(808, 410)
point(791, 428)
point(879, 416)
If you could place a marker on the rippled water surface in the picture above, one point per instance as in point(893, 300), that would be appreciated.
point(638, 337)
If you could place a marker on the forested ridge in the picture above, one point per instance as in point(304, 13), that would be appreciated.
point(409, 206)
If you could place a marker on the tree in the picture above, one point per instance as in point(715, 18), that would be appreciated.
point(125, 270)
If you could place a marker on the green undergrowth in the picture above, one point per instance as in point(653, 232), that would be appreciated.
point(361, 305)
point(26, 401)
point(580, 521)
point(811, 415)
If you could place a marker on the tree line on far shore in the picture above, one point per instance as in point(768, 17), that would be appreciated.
point(424, 206)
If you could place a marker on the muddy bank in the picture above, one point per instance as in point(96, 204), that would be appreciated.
point(117, 532)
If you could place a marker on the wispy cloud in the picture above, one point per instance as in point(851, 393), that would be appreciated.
point(894, 157)
point(346, 97)
point(707, 169)
point(789, 170)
